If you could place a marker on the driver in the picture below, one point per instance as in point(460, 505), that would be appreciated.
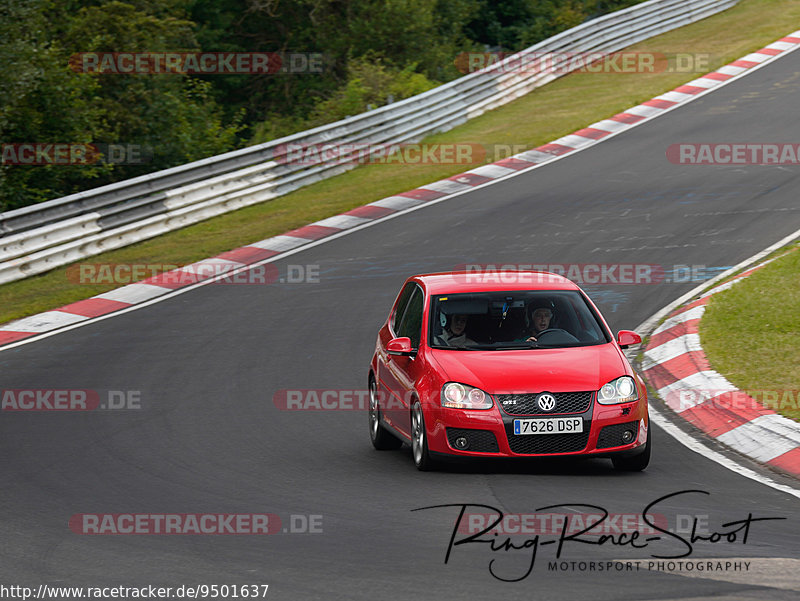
point(454, 333)
point(540, 317)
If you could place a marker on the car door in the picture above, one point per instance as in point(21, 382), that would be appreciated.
point(387, 332)
point(401, 371)
point(387, 384)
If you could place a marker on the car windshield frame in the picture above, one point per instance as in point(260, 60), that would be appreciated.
point(572, 309)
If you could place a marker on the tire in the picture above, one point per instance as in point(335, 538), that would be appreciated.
point(381, 438)
point(419, 440)
point(637, 463)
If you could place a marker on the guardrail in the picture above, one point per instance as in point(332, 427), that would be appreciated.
point(41, 237)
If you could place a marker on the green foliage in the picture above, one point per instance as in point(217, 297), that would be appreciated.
point(375, 51)
point(517, 24)
point(370, 83)
point(43, 102)
point(174, 118)
point(763, 310)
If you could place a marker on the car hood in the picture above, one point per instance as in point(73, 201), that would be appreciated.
point(535, 370)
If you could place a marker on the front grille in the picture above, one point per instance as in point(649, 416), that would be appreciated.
point(479, 441)
point(611, 436)
point(547, 444)
point(525, 404)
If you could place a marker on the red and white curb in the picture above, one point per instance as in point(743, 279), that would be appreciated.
point(272, 248)
point(676, 366)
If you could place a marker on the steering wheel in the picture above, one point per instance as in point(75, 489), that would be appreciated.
point(555, 331)
point(551, 330)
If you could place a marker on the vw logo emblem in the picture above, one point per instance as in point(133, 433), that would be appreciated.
point(546, 402)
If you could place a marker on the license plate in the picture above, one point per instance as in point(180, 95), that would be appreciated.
point(556, 425)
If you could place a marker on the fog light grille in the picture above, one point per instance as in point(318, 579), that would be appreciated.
point(477, 441)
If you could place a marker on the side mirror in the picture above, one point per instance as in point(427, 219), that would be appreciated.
point(625, 338)
point(400, 346)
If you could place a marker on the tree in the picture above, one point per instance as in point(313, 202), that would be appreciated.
point(173, 117)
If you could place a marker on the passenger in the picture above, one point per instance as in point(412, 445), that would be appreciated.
point(454, 333)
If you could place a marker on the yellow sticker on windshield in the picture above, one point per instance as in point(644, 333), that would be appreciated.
point(444, 298)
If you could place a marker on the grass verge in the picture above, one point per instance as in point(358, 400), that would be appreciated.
point(557, 109)
point(750, 332)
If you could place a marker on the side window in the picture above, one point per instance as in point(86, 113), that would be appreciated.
point(405, 295)
point(411, 325)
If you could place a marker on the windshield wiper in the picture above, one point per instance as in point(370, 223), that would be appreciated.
point(511, 346)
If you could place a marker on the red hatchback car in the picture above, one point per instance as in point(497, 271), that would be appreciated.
point(505, 364)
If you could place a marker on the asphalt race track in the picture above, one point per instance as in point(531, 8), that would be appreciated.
point(209, 439)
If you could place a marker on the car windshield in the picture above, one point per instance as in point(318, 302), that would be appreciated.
point(513, 320)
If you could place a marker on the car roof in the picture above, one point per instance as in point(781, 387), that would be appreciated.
point(452, 282)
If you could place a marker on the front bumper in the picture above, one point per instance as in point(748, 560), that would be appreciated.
point(490, 433)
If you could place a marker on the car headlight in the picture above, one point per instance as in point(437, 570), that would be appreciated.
point(621, 390)
point(461, 396)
